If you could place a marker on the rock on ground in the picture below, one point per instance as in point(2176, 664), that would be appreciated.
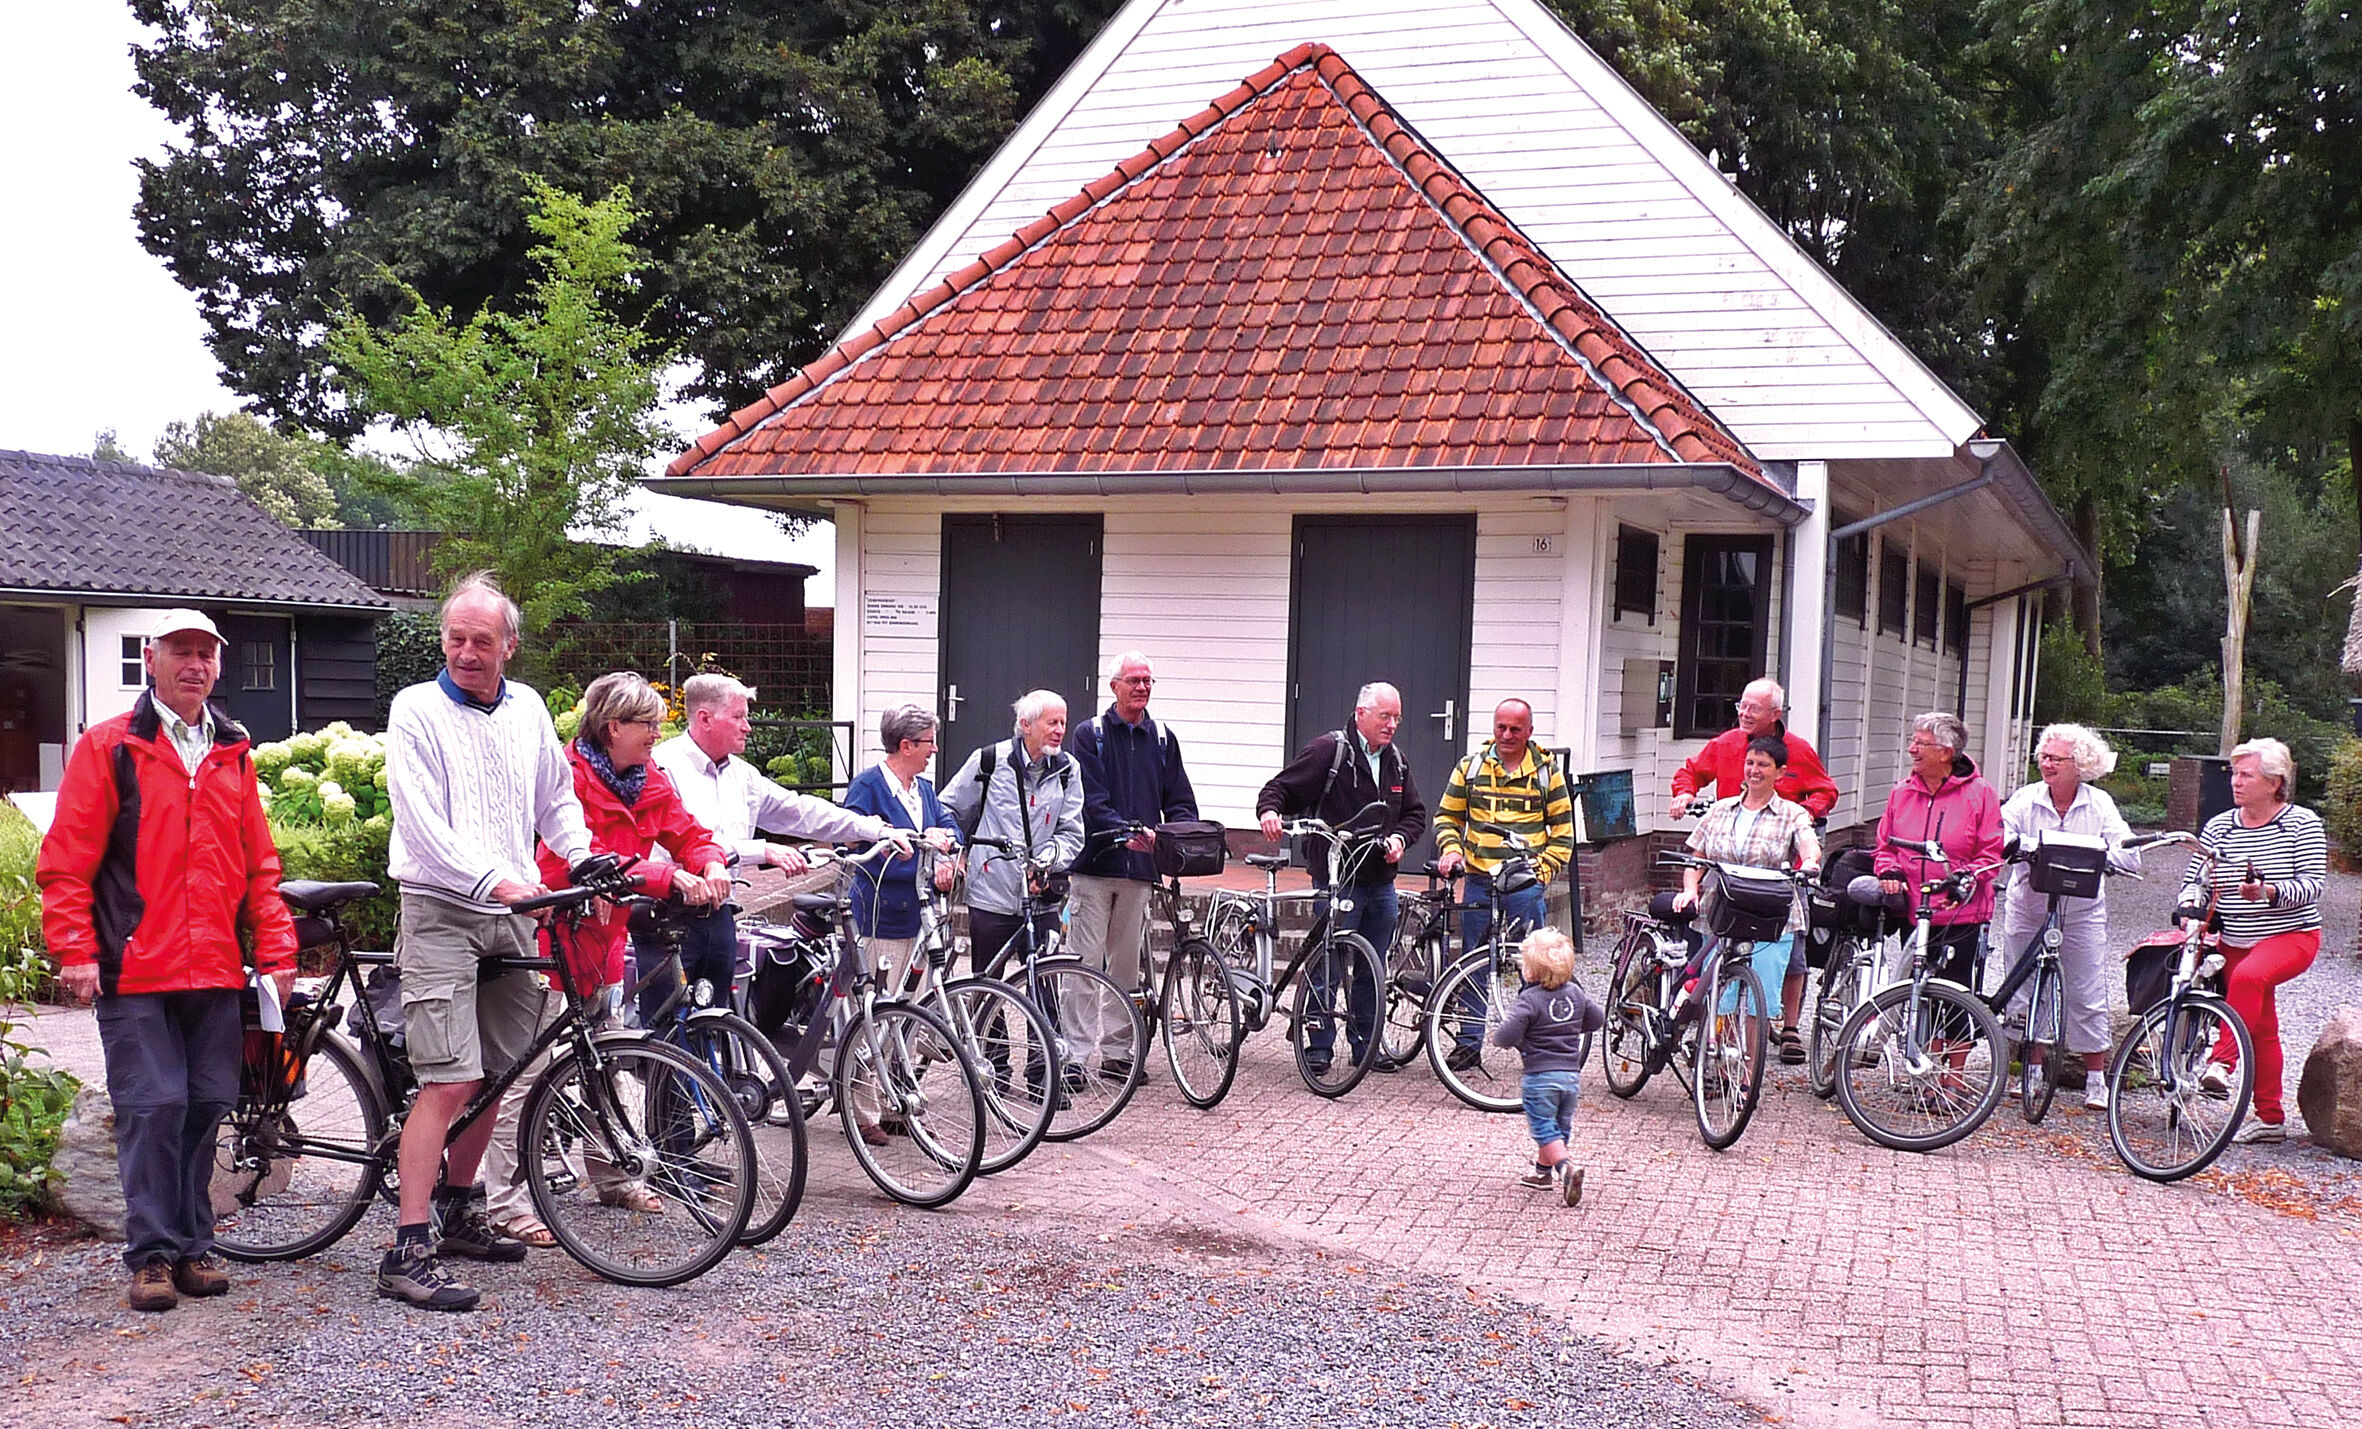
point(88, 1188)
point(2330, 1094)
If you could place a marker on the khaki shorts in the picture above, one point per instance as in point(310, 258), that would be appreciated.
point(457, 1022)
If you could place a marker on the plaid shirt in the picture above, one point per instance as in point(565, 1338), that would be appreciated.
point(1775, 840)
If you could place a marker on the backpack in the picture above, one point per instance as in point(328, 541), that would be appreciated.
point(988, 759)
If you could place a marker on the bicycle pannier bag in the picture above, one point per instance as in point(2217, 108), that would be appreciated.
point(1190, 848)
point(1745, 905)
point(2070, 865)
point(2148, 971)
point(1826, 905)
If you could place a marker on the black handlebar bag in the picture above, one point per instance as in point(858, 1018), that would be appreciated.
point(1189, 848)
point(1745, 905)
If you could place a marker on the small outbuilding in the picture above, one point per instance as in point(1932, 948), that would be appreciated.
point(1428, 353)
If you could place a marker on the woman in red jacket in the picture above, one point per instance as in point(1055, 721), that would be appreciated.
point(631, 807)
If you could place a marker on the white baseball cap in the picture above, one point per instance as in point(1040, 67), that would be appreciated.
point(172, 622)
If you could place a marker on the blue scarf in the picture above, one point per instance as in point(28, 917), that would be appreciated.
point(626, 783)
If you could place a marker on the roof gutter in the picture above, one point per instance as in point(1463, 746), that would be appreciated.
point(1713, 478)
point(2001, 461)
point(59, 596)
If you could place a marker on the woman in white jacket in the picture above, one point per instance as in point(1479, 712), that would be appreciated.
point(2064, 800)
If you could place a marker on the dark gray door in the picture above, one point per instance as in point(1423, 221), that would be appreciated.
point(1020, 612)
point(257, 683)
point(1385, 598)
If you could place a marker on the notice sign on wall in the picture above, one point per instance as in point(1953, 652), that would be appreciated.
point(898, 615)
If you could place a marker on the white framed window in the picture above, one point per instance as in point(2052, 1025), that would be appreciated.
point(135, 674)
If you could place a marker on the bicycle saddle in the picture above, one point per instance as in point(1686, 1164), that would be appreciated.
point(309, 896)
point(1267, 860)
point(816, 902)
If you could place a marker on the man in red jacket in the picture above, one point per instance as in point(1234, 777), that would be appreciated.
point(158, 856)
point(1763, 709)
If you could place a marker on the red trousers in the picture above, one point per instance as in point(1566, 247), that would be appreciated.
point(2249, 976)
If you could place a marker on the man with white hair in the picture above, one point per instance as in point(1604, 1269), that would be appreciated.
point(1024, 792)
point(737, 803)
point(1334, 779)
point(1721, 765)
point(1132, 774)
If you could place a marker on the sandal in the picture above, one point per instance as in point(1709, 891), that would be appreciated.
point(1791, 1047)
point(632, 1196)
point(528, 1228)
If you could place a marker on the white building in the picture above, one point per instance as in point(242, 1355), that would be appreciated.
point(1429, 353)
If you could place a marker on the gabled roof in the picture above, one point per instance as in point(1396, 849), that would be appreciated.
point(1757, 330)
point(100, 528)
point(1291, 280)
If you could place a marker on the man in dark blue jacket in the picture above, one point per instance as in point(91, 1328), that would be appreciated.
point(1132, 774)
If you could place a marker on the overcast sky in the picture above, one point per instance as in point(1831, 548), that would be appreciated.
point(94, 332)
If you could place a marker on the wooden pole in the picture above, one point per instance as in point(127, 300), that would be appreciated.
point(2239, 563)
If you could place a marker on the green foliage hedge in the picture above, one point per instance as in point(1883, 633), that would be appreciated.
point(2341, 801)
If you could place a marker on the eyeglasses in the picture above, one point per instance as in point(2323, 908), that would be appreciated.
point(1142, 681)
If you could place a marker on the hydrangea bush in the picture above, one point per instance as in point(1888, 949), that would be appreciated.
point(331, 816)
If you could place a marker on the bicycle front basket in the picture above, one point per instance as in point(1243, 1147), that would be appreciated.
point(1190, 848)
point(1745, 905)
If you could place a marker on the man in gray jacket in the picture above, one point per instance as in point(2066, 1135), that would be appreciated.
point(1027, 792)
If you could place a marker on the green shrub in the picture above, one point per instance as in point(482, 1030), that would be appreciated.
point(33, 1100)
point(409, 652)
point(2341, 801)
point(345, 853)
point(20, 898)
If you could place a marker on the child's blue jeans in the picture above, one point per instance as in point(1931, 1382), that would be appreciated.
point(1550, 1104)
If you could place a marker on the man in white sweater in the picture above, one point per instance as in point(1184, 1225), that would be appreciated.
point(476, 772)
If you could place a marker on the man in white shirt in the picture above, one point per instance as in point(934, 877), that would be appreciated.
point(736, 803)
point(476, 773)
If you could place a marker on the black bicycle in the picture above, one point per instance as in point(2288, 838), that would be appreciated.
point(1447, 1002)
point(314, 1137)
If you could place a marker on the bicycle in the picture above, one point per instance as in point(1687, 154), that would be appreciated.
point(1338, 978)
point(313, 1139)
point(2163, 1118)
point(1193, 1001)
point(1859, 924)
point(2062, 866)
point(702, 1021)
point(1081, 1005)
point(1426, 951)
point(1918, 1061)
point(1649, 995)
point(900, 1080)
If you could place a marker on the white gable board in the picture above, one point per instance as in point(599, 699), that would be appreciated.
point(1758, 332)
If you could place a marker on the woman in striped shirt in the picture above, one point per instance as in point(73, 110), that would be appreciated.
point(2271, 861)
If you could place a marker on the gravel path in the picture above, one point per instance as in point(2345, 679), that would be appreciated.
point(1012, 1316)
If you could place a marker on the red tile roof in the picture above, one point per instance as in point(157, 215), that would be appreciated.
point(1289, 280)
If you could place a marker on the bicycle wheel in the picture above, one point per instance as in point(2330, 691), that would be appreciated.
point(639, 1113)
point(2162, 1123)
point(734, 1050)
point(1102, 1043)
point(2038, 1076)
point(1198, 1021)
point(1471, 1002)
point(292, 1175)
point(1731, 1036)
point(901, 1066)
point(1918, 1066)
point(1840, 985)
point(1633, 1015)
point(1335, 1028)
point(1410, 978)
point(1012, 1045)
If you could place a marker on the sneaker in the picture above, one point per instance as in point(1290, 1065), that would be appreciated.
point(2256, 1131)
point(1463, 1058)
point(409, 1274)
point(200, 1276)
point(1570, 1182)
point(468, 1233)
point(2215, 1080)
point(1539, 1179)
point(2095, 1092)
point(1116, 1070)
point(151, 1287)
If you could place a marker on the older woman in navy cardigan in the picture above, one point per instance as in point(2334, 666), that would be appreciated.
point(887, 910)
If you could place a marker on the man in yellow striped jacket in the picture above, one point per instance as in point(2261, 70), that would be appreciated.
point(1506, 786)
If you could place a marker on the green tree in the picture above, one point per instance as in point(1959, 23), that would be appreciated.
point(532, 429)
point(356, 152)
point(105, 447)
point(276, 471)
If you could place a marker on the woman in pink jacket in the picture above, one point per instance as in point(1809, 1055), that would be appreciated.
point(1944, 799)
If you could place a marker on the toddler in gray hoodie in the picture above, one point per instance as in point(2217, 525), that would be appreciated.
point(1546, 1026)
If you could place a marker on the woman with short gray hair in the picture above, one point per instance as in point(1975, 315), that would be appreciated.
point(1943, 799)
point(2065, 801)
point(886, 908)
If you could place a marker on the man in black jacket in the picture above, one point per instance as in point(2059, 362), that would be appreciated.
point(1336, 777)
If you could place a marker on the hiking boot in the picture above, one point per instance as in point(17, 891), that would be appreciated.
point(409, 1274)
point(468, 1232)
point(151, 1287)
point(200, 1276)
